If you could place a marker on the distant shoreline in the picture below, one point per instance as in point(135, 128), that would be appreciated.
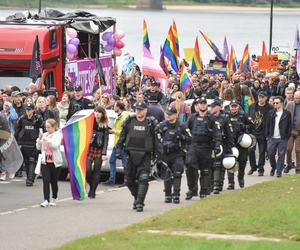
point(174, 7)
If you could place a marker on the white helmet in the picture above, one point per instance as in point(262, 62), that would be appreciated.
point(213, 155)
point(229, 161)
point(235, 152)
point(245, 141)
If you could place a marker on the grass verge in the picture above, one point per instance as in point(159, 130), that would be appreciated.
point(269, 209)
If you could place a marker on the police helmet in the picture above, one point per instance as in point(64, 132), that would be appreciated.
point(213, 155)
point(253, 144)
point(235, 152)
point(229, 161)
point(245, 140)
point(234, 169)
point(160, 170)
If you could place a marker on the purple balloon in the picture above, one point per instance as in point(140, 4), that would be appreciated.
point(107, 35)
point(71, 48)
point(108, 47)
point(111, 41)
point(74, 41)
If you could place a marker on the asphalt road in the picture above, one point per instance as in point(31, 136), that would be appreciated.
point(25, 225)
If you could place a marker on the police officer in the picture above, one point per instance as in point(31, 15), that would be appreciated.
point(241, 124)
point(139, 141)
point(78, 102)
point(27, 132)
point(173, 138)
point(227, 143)
point(206, 137)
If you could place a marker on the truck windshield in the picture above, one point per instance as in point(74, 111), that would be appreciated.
point(21, 82)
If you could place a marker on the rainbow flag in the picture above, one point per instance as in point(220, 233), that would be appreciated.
point(232, 63)
point(146, 41)
point(245, 62)
point(169, 50)
point(185, 81)
point(196, 61)
point(264, 50)
point(77, 137)
point(162, 62)
point(213, 47)
point(175, 33)
point(235, 63)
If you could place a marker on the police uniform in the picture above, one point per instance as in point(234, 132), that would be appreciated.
point(27, 132)
point(173, 138)
point(241, 124)
point(227, 143)
point(76, 105)
point(206, 136)
point(138, 140)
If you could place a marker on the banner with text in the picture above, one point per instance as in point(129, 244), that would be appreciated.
point(84, 72)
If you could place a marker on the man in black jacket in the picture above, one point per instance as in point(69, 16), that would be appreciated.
point(78, 102)
point(258, 113)
point(278, 131)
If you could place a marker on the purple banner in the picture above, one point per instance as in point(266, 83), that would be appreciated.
point(83, 73)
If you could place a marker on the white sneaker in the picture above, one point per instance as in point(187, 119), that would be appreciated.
point(45, 203)
point(11, 176)
point(53, 202)
point(3, 176)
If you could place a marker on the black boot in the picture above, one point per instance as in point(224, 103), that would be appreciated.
point(176, 187)
point(216, 188)
point(31, 174)
point(94, 184)
point(192, 177)
point(230, 181)
point(168, 191)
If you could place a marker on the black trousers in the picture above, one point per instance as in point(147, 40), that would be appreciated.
point(137, 174)
point(30, 155)
point(262, 149)
point(50, 176)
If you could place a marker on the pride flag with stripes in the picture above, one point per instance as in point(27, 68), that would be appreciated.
point(245, 62)
point(169, 50)
point(77, 137)
point(213, 47)
point(175, 33)
point(185, 81)
point(196, 61)
point(232, 63)
point(146, 41)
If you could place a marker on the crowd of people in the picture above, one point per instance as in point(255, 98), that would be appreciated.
point(193, 136)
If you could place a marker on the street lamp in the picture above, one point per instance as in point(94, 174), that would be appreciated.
point(271, 27)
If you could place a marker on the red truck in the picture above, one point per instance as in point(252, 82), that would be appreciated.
point(17, 37)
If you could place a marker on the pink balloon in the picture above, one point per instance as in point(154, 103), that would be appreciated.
point(70, 56)
point(119, 44)
point(117, 52)
point(72, 32)
point(119, 34)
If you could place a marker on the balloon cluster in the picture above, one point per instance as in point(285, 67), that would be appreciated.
point(114, 42)
point(72, 43)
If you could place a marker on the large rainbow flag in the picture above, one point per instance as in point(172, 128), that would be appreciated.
point(213, 47)
point(146, 42)
point(169, 50)
point(77, 137)
point(245, 62)
point(196, 61)
point(185, 81)
point(175, 33)
point(232, 63)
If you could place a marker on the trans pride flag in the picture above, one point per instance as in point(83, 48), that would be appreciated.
point(77, 137)
point(185, 81)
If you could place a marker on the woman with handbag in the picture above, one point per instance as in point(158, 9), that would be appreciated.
point(49, 144)
point(97, 150)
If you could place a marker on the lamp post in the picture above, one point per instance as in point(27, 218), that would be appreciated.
point(40, 6)
point(271, 27)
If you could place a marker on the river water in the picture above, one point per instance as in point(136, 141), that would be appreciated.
point(239, 26)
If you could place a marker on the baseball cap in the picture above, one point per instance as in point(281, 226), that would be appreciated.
point(201, 99)
point(141, 105)
point(216, 102)
point(234, 102)
point(263, 93)
point(78, 88)
point(171, 111)
point(15, 93)
point(29, 106)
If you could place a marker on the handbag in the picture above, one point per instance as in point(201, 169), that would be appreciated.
point(37, 170)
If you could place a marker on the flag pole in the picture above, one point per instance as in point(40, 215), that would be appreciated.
point(271, 26)
point(40, 6)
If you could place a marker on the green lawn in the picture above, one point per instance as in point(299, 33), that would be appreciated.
point(270, 209)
